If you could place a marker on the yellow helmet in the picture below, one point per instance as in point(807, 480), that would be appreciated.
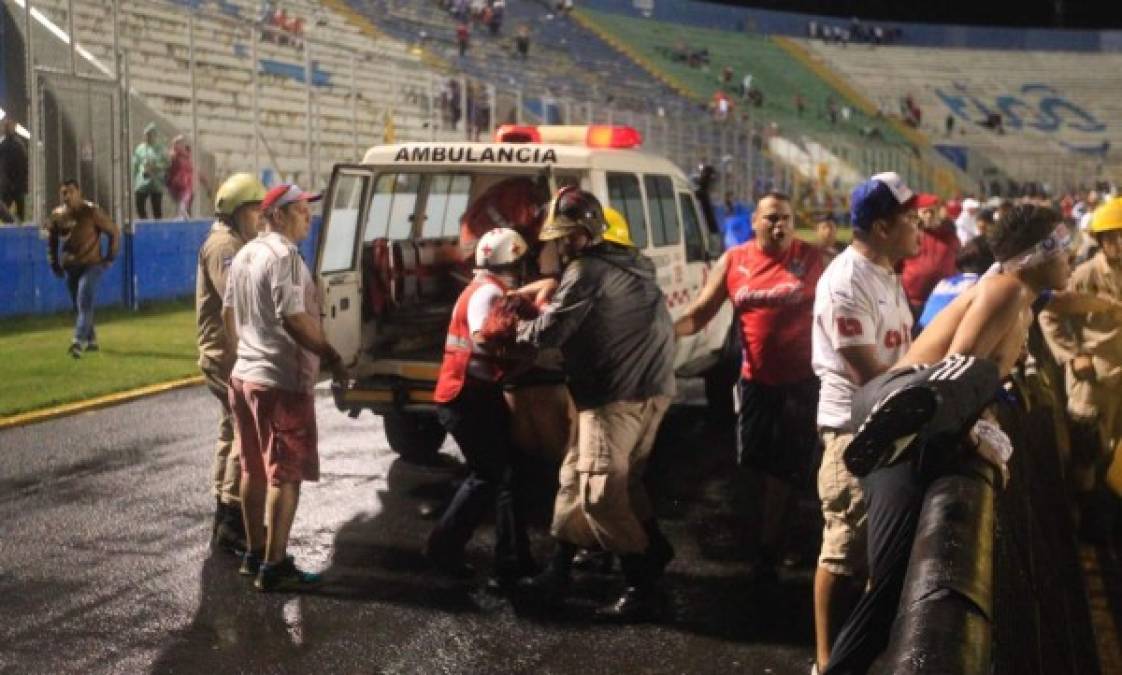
point(1108, 216)
point(617, 230)
point(238, 189)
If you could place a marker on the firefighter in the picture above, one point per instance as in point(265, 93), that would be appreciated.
point(1089, 347)
point(610, 320)
point(238, 209)
point(472, 408)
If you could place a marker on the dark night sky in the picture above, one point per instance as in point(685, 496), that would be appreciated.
point(1101, 14)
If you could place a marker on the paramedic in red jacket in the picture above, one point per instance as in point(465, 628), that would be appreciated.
point(938, 248)
point(471, 407)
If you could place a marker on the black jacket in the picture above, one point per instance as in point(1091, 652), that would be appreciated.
point(13, 166)
point(610, 320)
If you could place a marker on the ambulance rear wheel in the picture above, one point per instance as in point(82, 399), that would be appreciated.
point(415, 437)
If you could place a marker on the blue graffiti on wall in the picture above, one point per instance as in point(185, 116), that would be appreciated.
point(1038, 106)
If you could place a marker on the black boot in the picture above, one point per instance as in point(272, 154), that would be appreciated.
point(641, 599)
point(229, 529)
point(552, 584)
point(659, 551)
point(594, 559)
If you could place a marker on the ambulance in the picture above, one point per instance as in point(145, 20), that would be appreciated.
point(390, 264)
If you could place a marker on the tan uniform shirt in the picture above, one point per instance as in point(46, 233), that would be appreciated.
point(80, 232)
point(1096, 334)
point(215, 256)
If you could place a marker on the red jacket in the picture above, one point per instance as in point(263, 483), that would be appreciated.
point(935, 261)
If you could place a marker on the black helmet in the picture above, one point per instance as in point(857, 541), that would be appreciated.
point(572, 208)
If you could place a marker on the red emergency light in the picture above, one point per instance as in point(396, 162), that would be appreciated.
point(517, 133)
point(592, 136)
point(604, 136)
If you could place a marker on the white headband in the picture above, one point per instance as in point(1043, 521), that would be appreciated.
point(1053, 245)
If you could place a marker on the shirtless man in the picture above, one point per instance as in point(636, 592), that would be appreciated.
point(924, 407)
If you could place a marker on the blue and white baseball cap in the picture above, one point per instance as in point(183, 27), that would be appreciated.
point(878, 197)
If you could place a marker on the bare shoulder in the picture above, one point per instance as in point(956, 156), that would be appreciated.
point(1001, 291)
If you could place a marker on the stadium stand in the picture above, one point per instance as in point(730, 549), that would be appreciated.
point(392, 82)
point(1056, 115)
point(564, 59)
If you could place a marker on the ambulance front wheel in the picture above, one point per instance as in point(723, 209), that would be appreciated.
point(415, 437)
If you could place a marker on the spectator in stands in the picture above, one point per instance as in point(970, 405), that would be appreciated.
point(994, 122)
point(78, 226)
point(522, 41)
point(735, 220)
point(1085, 209)
point(831, 110)
point(450, 103)
point(13, 170)
point(967, 223)
point(770, 282)
point(746, 85)
point(862, 325)
point(726, 77)
point(826, 236)
point(1089, 347)
point(935, 260)
point(972, 261)
point(180, 176)
point(721, 106)
point(149, 166)
point(463, 35)
point(498, 10)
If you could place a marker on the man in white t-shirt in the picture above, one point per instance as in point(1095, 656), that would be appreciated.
point(271, 311)
point(862, 325)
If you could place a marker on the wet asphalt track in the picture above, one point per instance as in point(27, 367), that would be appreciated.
point(104, 565)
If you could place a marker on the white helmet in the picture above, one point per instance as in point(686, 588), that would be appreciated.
point(499, 247)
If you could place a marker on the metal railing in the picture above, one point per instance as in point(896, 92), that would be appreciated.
point(253, 98)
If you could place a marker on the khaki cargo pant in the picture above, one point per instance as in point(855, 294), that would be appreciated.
point(1100, 402)
point(602, 499)
point(226, 471)
point(845, 520)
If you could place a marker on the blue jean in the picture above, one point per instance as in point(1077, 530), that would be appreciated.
point(82, 284)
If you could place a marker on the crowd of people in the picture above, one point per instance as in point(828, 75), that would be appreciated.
point(850, 356)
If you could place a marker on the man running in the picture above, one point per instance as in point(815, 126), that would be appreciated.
point(78, 226)
point(923, 410)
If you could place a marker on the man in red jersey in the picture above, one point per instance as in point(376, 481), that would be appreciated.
point(770, 281)
point(935, 261)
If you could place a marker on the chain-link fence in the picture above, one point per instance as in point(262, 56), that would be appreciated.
point(288, 105)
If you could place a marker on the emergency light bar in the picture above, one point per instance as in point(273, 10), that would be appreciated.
point(593, 136)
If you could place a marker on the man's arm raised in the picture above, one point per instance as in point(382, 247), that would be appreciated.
point(708, 303)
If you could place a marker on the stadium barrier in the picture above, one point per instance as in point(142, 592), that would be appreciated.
point(994, 582)
point(156, 262)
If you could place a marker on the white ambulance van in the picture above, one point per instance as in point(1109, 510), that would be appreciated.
point(390, 265)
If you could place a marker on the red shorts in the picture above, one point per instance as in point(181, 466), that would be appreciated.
point(277, 432)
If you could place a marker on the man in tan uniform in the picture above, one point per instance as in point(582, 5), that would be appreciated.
point(1089, 347)
point(238, 207)
point(78, 225)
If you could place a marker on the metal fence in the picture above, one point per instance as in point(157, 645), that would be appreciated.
point(253, 98)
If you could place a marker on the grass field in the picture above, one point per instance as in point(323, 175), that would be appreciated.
point(137, 348)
